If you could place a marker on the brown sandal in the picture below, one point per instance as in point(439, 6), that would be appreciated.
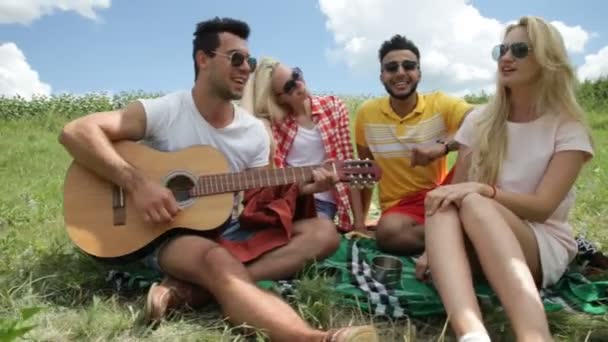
point(156, 306)
point(174, 294)
point(362, 333)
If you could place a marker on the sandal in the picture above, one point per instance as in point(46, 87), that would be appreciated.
point(176, 294)
point(156, 306)
point(362, 333)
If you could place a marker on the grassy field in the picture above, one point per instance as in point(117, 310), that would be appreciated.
point(40, 268)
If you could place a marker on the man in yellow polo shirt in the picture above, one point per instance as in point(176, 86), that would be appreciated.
point(408, 134)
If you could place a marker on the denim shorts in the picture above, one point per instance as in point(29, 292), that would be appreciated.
point(325, 209)
point(230, 231)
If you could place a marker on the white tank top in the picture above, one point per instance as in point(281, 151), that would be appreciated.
point(307, 149)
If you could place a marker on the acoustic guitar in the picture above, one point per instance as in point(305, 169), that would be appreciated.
point(102, 221)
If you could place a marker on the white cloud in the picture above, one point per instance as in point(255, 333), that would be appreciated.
point(574, 36)
point(454, 38)
point(16, 75)
point(596, 65)
point(26, 11)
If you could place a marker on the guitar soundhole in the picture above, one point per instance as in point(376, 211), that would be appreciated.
point(180, 184)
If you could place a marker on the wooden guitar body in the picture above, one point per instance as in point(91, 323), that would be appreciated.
point(90, 202)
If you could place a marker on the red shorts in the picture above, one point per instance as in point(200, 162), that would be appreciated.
point(413, 205)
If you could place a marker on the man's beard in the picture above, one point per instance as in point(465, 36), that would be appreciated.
point(225, 94)
point(223, 91)
point(400, 97)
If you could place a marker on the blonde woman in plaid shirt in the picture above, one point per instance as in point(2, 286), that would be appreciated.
point(307, 130)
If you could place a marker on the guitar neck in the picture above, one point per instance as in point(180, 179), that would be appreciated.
point(239, 181)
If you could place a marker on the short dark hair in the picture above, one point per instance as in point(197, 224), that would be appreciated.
point(207, 35)
point(397, 42)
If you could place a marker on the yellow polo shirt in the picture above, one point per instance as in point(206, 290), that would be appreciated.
point(391, 138)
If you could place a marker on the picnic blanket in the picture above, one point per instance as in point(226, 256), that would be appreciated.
point(353, 285)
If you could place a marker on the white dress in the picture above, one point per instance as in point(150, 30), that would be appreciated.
point(530, 147)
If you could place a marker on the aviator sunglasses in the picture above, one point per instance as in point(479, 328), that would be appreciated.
point(290, 85)
point(238, 58)
point(518, 50)
point(393, 66)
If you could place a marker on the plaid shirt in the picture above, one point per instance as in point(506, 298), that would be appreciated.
point(331, 117)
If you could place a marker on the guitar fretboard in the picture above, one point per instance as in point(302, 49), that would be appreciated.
point(238, 181)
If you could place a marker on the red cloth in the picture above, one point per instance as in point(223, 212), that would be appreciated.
point(413, 205)
point(270, 212)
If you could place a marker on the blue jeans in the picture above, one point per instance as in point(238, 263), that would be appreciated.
point(325, 209)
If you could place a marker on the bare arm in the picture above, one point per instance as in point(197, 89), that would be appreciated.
point(450, 144)
point(357, 208)
point(88, 139)
point(424, 155)
point(562, 171)
point(561, 174)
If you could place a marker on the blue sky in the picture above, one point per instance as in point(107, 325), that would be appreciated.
point(146, 44)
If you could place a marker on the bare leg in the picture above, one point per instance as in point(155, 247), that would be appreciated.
point(508, 253)
point(314, 239)
point(400, 234)
point(204, 263)
point(451, 273)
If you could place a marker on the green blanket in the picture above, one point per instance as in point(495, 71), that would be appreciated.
point(355, 286)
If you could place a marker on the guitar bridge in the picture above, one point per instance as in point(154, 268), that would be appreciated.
point(118, 206)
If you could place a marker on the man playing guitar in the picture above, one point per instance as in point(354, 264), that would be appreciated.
point(196, 267)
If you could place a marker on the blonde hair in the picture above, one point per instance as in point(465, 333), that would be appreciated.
point(258, 97)
point(555, 93)
point(259, 100)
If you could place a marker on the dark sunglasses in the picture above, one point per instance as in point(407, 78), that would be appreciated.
point(393, 67)
point(518, 50)
point(290, 85)
point(238, 58)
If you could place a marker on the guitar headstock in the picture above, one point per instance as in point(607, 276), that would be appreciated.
point(358, 173)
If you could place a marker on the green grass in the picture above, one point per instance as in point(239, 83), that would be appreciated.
point(40, 268)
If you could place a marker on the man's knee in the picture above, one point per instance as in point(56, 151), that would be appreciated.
point(392, 226)
point(322, 236)
point(191, 254)
point(396, 233)
point(326, 237)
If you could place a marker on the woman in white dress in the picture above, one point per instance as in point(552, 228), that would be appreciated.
point(507, 214)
